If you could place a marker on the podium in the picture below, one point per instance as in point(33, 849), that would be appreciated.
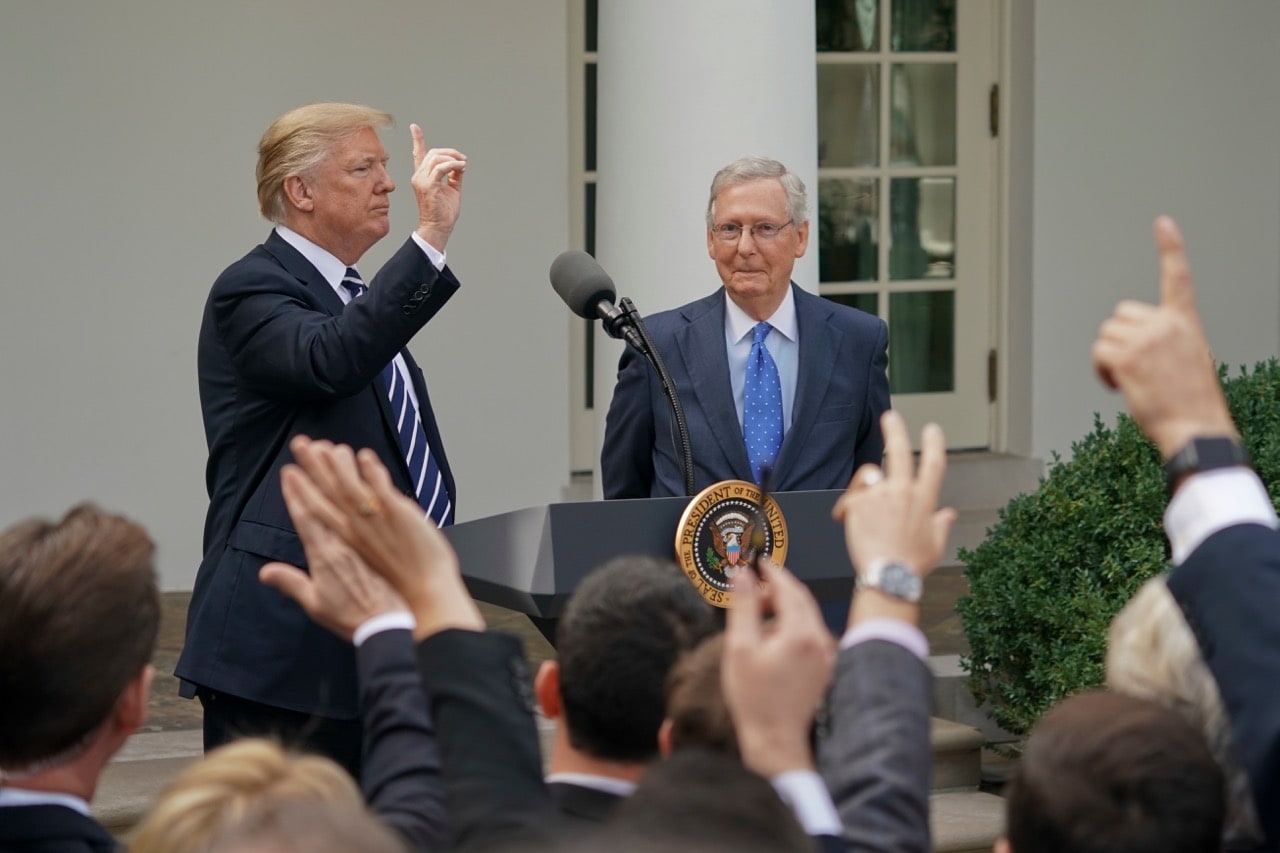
point(531, 560)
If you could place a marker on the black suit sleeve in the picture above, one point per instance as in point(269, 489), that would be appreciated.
point(401, 776)
point(482, 701)
point(283, 347)
point(626, 459)
point(876, 758)
point(1229, 591)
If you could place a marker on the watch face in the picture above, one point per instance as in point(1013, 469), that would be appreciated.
point(898, 580)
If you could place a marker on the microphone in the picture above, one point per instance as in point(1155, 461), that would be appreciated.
point(589, 292)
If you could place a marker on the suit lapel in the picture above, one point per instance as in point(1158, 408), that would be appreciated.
point(820, 340)
point(702, 347)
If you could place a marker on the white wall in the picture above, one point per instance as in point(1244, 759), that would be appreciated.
point(127, 185)
point(1141, 108)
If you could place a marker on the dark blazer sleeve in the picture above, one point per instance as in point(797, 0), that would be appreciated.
point(876, 756)
point(626, 459)
point(283, 348)
point(1229, 591)
point(482, 701)
point(401, 776)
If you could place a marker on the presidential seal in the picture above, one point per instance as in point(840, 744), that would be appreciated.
point(714, 540)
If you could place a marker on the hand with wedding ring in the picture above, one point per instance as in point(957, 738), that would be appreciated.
point(892, 514)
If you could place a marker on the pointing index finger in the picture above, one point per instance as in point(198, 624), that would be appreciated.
point(419, 145)
point(1176, 290)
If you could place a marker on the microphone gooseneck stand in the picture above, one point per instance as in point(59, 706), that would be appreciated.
point(628, 325)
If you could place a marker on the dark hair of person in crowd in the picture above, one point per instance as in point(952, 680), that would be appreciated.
point(1108, 773)
point(696, 712)
point(620, 633)
point(79, 614)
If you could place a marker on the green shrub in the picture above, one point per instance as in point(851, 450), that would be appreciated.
point(1061, 561)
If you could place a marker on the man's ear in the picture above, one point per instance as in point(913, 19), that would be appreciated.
point(131, 709)
point(546, 685)
point(298, 192)
point(664, 737)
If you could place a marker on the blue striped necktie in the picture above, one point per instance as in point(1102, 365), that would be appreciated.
point(761, 404)
point(428, 483)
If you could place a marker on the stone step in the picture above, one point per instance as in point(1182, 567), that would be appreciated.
point(987, 480)
point(965, 822)
point(953, 701)
point(957, 755)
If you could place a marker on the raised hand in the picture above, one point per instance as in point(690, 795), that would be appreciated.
point(437, 184)
point(352, 494)
point(1159, 358)
point(775, 673)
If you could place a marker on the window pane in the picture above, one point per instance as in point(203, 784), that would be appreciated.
point(922, 125)
point(868, 302)
point(848, 213)
point(921, 342)
point(922, 232)
point(589, 123)
point(848, 24)
point(848, 115)
point(923, 25)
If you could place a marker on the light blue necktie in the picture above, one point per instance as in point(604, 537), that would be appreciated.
point(761, 404)
point(428, 484)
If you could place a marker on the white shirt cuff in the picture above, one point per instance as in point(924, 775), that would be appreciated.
point(904, 634)
point(1211, 501)
point(433, 254)
point(395, 620)
point(809, 800)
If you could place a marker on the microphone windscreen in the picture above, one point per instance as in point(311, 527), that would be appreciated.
point(581, 283)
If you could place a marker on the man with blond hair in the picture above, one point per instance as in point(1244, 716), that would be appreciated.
point(293, 342)
point(79, 612)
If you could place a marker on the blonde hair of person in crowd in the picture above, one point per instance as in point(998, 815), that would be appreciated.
point(1153, 654)
point(236, 785)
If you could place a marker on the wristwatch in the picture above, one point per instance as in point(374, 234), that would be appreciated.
point(892, 577)
point(1203, 454)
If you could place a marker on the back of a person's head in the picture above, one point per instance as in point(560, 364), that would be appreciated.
point(698, 801)
point(79, 614)
point(1108, 773)
point(313, 828)
point(236, 786)
point(620, 633)
point(1153, 654)
point(696, 712)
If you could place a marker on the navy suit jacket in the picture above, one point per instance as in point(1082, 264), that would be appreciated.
point(51, 829)
point(1229, 591)
point(278, 357)
point(841, 390)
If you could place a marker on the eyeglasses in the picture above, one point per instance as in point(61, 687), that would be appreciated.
point(761, 232)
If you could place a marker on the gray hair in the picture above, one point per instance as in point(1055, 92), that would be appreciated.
point(746, 169)
point(1153, 654)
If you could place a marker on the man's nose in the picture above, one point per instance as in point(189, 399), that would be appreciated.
point(385, 184)
point(746, 242)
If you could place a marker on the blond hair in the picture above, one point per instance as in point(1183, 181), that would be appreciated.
point(299, 140)
point(237, 784)
point(1153, 654)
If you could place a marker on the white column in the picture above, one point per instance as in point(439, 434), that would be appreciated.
point(684, 88)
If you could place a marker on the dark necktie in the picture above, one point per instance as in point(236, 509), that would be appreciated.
point(428, 484)
point(761, 404)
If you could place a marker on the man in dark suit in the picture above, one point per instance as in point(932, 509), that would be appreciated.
point(1220, 521)
point(292, 343)
point(79, 613)
point(767, 373)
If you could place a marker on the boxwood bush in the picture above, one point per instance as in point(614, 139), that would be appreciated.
point(1061, 561)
